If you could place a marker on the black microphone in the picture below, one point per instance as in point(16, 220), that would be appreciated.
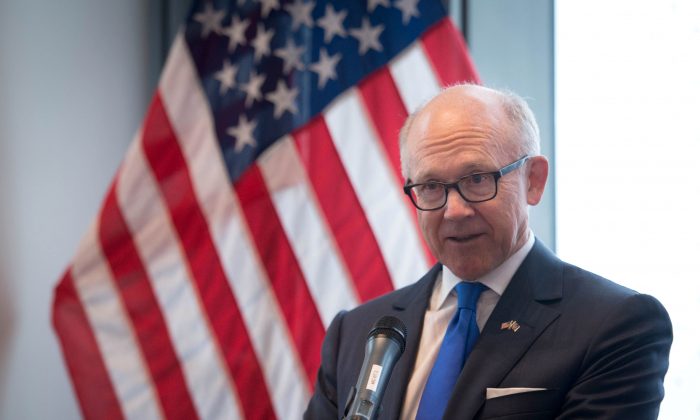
point(385, 344)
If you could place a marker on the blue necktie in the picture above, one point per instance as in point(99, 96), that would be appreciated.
point(461, 334)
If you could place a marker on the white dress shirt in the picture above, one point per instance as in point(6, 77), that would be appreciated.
point(441, 309)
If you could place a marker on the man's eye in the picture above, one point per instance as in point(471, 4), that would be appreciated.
point(429, 190)
point(476, 179)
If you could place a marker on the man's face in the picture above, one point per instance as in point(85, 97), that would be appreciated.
point(453, 136)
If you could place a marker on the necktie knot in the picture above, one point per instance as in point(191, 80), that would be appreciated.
point(468, 294)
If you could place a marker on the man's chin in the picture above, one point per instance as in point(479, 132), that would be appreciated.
point(468, 268)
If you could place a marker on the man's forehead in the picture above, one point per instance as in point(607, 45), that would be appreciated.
point(465, 122)
point(468, 95)
point(460, 107)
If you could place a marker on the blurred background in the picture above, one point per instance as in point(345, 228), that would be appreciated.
point(615, 87)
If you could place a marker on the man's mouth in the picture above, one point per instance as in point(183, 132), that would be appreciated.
point(463, 238)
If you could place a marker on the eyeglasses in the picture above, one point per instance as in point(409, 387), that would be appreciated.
point(473, 188)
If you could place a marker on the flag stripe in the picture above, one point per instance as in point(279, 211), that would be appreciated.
point(306, 230)
point(169, 167)
point(387, 112)
point(375, 185)
point(282, 267)
point(268, 331)
point(448, 54)
point(283, 369)
point(157, 244)
point(143, 310)
point(115, 336)
point(341, 208)
point(409, 66)
point(96, 395)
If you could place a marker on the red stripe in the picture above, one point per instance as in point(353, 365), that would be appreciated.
point(387, 112)
point(143, 309)
point(286, 278)
point(87, 370)
point(342, 210)
point(447, 51)
point(170, 169)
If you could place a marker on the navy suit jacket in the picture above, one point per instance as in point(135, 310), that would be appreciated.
point(600, 350)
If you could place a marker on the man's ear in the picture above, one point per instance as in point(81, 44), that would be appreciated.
point(538, 169)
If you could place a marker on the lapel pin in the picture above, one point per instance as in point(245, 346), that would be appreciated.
point(510, 325)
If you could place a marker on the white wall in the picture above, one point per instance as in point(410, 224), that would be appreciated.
point(628, 97)
point(73, 90)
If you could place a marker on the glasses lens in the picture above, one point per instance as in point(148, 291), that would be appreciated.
point(477, 187)
point(428, 196)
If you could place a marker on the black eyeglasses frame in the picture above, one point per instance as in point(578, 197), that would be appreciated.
point(449, 185)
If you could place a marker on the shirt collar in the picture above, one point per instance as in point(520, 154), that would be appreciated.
point(496, 280)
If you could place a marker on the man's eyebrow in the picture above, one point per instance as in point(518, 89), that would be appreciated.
point(476, 167)
point(470, 168)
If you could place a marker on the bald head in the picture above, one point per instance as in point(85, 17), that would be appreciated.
point(506, 114)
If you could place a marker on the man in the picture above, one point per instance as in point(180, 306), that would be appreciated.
point(555, 340)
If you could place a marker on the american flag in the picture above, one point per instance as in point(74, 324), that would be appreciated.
point(260, 196)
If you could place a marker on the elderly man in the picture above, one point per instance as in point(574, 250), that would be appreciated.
point(500, 327)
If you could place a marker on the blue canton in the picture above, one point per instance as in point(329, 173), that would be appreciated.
point(268, 66)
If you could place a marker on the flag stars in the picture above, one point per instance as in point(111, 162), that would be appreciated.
point(243, 133)
point(261, 43)
point(291, 55)
point(266, 6)
point(332, 23)
point(236, 32)
point(226, 77)
point(283, 99)
point(210, 20)
point(259, 65)
point(368, 36)
point(253, 88)
point(409, 8)
point(301, 13)
point(372, 4)
point(325, 67)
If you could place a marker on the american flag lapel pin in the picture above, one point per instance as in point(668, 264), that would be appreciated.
point(510, 325)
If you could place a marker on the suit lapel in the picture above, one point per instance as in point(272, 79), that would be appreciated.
point(410, 307)
point(537, 280)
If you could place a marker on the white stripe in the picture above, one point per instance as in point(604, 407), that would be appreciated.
point(157, 244)
point(414, 77)
point(113, 331)
point(190, 115)
point(325, 274)
point(375, 185)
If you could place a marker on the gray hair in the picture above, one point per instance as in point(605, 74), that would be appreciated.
point(517, 110)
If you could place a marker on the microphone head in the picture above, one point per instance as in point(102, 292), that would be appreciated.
point(391, 327)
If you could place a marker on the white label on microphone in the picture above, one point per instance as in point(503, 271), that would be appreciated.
point(374, 375)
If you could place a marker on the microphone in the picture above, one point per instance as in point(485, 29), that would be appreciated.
point(385, 344)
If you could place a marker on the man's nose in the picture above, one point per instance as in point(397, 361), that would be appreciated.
point(456, 206)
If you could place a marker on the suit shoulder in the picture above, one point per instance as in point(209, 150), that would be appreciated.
point(379, 305)
point(583, 289)
point(398, 303)
point(398, 299)
point(584, 283)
